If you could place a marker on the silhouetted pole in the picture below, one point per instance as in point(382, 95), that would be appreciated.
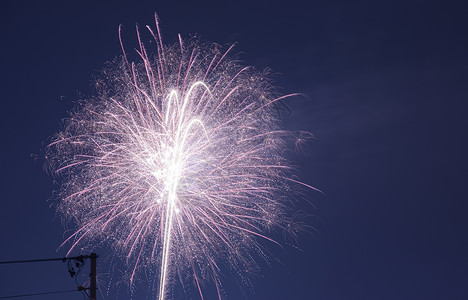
point(92, 275)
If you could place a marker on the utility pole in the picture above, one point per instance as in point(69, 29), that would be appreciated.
point(92, 276)
point(79, 260)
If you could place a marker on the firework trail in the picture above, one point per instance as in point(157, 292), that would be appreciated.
point(177, 163)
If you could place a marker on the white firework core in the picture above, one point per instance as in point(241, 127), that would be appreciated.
point(177, 163)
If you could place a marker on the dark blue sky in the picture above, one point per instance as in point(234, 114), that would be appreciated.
point(386, 82)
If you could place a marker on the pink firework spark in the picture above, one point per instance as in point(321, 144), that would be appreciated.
point(178, 163)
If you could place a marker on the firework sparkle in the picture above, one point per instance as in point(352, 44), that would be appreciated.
point(178, 163)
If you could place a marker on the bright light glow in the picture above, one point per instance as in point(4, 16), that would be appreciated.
point(178, 163)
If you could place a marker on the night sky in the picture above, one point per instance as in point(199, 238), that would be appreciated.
point(386, 99)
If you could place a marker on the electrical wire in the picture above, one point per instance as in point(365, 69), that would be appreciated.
point(38, 294)
point(81, 257)
point(79, 263)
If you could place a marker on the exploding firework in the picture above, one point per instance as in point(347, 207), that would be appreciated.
point(178, 164)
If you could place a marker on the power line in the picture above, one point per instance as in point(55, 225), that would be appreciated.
point(79, 260)
point(38, 294)
point(81, 257)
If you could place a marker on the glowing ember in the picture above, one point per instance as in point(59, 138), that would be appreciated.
point(178, 163)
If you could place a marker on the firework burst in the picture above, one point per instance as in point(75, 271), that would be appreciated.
point(178, 163)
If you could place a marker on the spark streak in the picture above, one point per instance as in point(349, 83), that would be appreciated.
point(177, 163)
